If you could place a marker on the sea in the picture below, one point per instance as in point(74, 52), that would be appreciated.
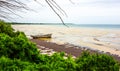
point(100, 26)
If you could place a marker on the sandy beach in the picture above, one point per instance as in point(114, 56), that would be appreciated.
point(102, 40)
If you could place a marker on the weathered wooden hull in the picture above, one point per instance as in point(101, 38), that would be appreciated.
point(41, 36)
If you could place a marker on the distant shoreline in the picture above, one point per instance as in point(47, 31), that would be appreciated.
point(100, 26)
point(13, 23)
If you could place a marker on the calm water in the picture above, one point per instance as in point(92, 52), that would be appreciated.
point(103, 26)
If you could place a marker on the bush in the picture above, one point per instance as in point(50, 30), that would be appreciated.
point(96, 62)
point(7, 64)
point(56, 62)
point(6, 28)
point(18, 47)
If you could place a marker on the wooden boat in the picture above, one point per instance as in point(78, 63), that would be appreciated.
point(41, 36)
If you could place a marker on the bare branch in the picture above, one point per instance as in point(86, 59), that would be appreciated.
point(48, 2)
point(60, 8)
point(10, 7)
point(56, 7)
point(71, 1)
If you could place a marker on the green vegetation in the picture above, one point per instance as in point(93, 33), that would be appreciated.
point(7, 64)
point(96, 62)
point(17, 53)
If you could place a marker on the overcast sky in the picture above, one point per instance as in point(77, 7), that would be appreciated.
point(81, 12)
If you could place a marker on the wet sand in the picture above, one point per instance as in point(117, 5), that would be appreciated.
point(103, 40)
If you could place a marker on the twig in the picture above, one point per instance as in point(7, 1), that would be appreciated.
point(47, 1)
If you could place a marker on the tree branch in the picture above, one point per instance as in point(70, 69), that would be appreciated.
point(48, 2)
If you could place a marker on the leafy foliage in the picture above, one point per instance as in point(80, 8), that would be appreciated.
point(56, 62)
point(96, 62)
point(17, 47)
point(7, 64)
point(6, 28)
point(17, 53)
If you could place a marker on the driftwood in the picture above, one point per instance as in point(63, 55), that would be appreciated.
point(41, 36)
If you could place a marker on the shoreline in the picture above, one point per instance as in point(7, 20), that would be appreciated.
point(95, 39)
point(73, 50)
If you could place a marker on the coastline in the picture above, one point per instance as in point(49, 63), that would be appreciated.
point(92, 38)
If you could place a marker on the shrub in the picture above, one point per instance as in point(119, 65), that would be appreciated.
point(56, 62)
point(7, 64)
point(18, 47)
point(96, 62)
point(6, 28)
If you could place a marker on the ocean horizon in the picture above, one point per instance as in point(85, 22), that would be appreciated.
point(103, 26)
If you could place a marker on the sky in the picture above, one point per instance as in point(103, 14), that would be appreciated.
point(81, 12)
